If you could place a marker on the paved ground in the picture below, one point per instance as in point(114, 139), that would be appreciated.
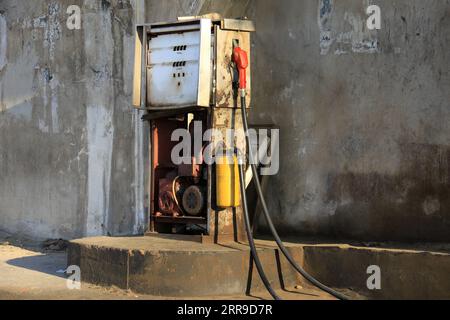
point(30, 274)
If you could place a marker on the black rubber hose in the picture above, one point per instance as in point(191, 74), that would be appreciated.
point(251, 241)
point(272, 228)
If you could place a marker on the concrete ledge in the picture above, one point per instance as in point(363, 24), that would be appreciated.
point(405, 274)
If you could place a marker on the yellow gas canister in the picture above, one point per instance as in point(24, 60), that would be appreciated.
point(227, 181)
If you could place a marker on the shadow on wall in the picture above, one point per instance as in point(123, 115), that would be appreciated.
point(410, 206)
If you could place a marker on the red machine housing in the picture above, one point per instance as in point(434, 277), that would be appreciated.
point(171, 181)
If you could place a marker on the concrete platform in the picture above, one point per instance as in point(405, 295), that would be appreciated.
point(175, 268)
point(29, 274)
point(165, 267)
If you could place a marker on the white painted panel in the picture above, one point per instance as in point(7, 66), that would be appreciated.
point(173, 69)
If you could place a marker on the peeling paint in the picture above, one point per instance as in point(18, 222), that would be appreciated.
point(51, 26)
point(360, 41)
point(325, 15)
point(39, 22)
point(53, 29)
point(344, 32)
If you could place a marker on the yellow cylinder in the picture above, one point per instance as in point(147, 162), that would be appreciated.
point(227, 181)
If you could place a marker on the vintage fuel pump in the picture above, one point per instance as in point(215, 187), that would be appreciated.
point(184, 76)
point(193, 79)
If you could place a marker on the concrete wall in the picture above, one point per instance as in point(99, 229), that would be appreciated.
point(363, 116)
point(69, 155)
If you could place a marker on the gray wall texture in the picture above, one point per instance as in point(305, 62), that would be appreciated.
point(364, 116)
point(68, 146)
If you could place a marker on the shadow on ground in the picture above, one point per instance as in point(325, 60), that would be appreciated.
point(52, 264)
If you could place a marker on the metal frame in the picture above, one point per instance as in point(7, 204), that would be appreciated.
point(215, 96)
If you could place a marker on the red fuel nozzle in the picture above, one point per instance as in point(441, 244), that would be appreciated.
point(240, 58)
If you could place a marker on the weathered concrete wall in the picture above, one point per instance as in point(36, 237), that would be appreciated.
point(364, 116)
point(68, 158)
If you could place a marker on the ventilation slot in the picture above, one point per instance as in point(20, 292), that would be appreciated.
point(179, 64)
point(179, 48)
